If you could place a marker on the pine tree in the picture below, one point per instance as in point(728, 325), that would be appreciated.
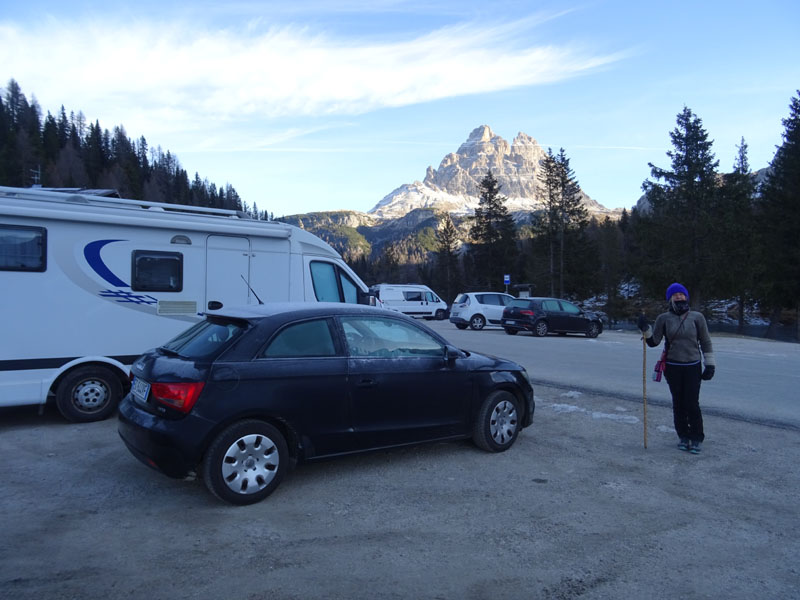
point(564, 216)
point(779, 220)
point(675, 234)
point(493, 235)
point(448, 274)
point(734, 235)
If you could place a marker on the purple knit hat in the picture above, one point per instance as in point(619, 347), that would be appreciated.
point(676, 288)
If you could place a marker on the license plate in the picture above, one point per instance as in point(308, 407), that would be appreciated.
point(140, 389)
point(511, 322)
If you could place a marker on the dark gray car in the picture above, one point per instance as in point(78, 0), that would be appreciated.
point(541, 316)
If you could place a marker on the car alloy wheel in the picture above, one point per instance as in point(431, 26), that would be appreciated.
point(498, 423)
point(477, 322)
point(541, 329)
point(593, 330)
point(246, 462)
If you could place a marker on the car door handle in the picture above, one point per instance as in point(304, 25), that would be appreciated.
point(367, 383)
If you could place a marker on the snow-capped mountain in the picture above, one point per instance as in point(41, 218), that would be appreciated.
point(455, 186)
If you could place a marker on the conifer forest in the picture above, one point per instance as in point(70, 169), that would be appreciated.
point(720, 230)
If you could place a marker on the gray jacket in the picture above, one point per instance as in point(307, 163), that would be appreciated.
point(687, 335)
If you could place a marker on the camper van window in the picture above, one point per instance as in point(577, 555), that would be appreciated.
point(23, 248)
point(349, 289)
point(323, 275)
point(155, 271)
point(413, 296)
point(331, 284)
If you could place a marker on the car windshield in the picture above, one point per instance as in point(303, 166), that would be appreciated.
point(205, 339)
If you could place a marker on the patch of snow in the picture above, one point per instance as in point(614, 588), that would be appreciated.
point(620, 418)
point(571, 394)
point(567, 408)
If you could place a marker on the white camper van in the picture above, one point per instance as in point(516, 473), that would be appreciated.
point(87, 283)
point(412, 299)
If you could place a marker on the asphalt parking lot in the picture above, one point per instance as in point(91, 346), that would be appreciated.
point(576, 509)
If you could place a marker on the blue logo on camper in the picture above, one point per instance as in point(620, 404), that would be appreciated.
point(123, 296)
point(92, 253)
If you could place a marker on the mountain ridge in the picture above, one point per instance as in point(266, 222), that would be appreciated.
point(455, 186)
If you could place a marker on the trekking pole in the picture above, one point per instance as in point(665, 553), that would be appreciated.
point(644, 387)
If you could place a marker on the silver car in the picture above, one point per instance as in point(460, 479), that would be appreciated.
point(477, 309)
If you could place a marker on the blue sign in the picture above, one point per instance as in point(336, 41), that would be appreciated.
point(506, 279)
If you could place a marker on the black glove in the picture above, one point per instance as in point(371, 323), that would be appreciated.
point(643, 324)
point(708, 372)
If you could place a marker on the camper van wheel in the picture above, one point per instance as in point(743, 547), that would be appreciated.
point(88, 394)
point(440, 314)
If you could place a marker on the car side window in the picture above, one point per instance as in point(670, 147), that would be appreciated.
point(569, 307)
point(308, 338)
point(491, 299)
point(551, 306)
point(387, 338)
point(506, 300)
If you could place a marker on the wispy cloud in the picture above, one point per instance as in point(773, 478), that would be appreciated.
point(176, 77)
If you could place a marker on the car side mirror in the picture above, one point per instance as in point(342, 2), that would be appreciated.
point(451, 353)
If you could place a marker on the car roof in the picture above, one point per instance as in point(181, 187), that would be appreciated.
point(298, 310)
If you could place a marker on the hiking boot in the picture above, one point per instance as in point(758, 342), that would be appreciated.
point(684, 444)
point(695, 447)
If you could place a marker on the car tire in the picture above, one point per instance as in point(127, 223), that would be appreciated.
point(89, 393)
point(510, 331)
point(592, 330)
point(461, 325)
point(246, 462)
point(477, 322)
point(541, 328)
point(498, 422)
point(440, 315)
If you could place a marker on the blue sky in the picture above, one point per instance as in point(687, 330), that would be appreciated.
point(324, 105)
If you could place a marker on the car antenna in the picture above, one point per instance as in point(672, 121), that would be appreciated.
point(251, 289)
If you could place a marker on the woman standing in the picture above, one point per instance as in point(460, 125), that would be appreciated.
point(688, 348)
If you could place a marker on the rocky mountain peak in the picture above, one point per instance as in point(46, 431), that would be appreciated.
point(455, 185)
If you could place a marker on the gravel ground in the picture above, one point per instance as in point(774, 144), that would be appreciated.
point(576, 509)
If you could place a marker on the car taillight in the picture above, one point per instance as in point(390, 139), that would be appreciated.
point(527, 313)
point(180, 396)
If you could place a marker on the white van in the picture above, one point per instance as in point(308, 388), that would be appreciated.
point(89, 283)
point(412, 299)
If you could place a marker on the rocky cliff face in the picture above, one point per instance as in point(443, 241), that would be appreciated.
point(455, 186)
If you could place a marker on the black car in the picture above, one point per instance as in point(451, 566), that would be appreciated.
point(545, 315)
point(245, 393)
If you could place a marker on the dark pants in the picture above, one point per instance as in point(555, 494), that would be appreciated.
point(684, 385)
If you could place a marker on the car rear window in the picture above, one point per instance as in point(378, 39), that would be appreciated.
point(520, 303)
point(206, 339)
point(461, 299)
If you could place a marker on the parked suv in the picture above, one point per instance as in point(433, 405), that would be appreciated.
point(544, 315)
point(476, 309)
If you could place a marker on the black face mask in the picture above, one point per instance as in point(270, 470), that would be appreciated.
point(680, 306)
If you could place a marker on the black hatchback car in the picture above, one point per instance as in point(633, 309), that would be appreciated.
point(545, 315)
point(244, 394)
